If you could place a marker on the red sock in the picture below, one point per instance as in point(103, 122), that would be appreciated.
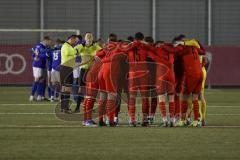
point(177, 106)
point(131, 109)
point(196, 110)
point(184, 107)
point(153, 106)
point(163, 109)
point(101, 109)
point(89, 108)
point(172, 109)
point(145, 109)
point(110, 106)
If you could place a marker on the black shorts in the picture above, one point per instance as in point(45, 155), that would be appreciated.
point(82, 77)
point(66, 75)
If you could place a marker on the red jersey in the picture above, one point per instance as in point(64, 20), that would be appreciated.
point(140, 51)
point(107, 51)
point(164, 53)
point(190, 58)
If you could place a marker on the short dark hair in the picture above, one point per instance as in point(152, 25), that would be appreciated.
point(130, 38)
point(72, 36)
point(59, 41)
point(178, 38)
point(149, 39)
point(80, 37)
point(139, 36)
point(159, 42)
point(112, 37)
point(46, 38)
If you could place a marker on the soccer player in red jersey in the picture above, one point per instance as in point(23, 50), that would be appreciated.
point(152, 86)
point(165, 82)
point(109, 77)
point(92, 88)
point(192, 80)
point(138, 77)
point(179, 78)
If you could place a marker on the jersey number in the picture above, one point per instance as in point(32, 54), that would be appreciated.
point(55, 56)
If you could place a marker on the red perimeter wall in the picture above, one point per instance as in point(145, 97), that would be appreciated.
point(225, 68)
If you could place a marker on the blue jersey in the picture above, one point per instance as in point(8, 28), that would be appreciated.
point(56, 57)
point(40, 62)
point(49, 59)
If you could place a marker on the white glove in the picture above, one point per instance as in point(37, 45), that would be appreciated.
point(178, 43)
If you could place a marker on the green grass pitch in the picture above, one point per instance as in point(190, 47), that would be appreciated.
point(32, 131)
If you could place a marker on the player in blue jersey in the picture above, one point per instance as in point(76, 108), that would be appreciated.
point(49, 69)
point(39, 65)
point(55, 58)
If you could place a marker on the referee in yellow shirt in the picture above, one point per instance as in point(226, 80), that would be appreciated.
point(68, 54)
point(87, 52)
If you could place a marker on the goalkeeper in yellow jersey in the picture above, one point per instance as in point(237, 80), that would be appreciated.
point(202, 101)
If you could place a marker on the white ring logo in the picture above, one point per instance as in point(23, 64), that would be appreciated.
point(9, 64)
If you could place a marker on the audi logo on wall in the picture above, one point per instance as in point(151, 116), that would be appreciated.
point(12, 64)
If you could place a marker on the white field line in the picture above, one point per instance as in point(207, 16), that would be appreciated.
point(52, 113)
point(52, 104)
point(80, 126)
point(27, 104)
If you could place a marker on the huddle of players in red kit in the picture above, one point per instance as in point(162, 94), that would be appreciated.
point(159, 72)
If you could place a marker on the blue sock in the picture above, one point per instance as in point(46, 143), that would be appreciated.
point(39, 88)
point(34, 88)
point(43, 89)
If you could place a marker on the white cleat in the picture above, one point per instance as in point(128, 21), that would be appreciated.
point(31, 98)
point(51, 99)
point(39, 98)
point(116, 121)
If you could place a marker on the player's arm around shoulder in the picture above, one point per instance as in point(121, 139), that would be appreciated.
point(79, 48)
point(192, 42)
point(96, 49)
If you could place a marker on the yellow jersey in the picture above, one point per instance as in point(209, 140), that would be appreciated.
point(192, 42)
point(87, 53)
point(68, 54)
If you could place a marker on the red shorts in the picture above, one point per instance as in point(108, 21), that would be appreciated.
point(138, 79)
point(92, 85)
point(165, 81)
point(108, 78)
point(193, 83)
